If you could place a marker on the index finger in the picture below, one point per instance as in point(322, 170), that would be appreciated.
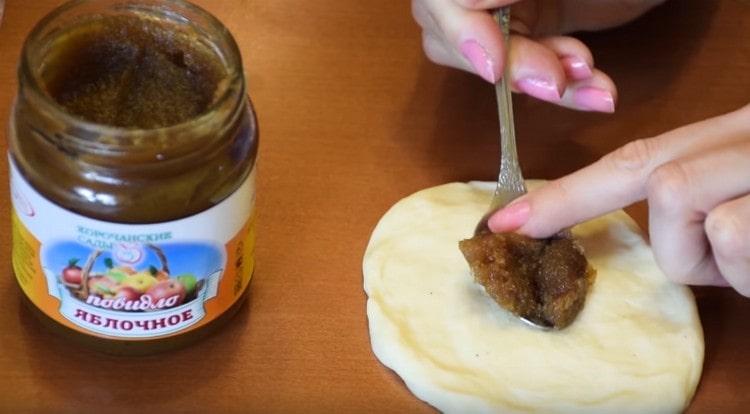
point(615, 181)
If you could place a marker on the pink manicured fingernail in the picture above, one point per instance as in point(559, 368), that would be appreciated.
point(539, 88)
point(594, 99)
point(510, 218)
point(576, 68)
point(480, 60)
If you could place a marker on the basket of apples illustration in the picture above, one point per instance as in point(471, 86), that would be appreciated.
point(128, 283)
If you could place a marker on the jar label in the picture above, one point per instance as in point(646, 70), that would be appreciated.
point(132, 281)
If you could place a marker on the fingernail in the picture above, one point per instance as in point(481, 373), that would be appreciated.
point(510, 218)
point(594, 99)
point(576, 68)
point(539, 88)
point(480, 60)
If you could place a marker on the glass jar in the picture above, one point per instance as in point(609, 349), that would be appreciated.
point(132, 152)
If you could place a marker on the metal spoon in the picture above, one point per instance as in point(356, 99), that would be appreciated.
point(510, 183)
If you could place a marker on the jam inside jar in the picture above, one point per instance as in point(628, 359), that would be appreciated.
point(133, 147)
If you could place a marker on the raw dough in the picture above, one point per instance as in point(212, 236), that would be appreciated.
point(637, 346)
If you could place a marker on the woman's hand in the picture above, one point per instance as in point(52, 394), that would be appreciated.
point(697, 183)
point(558, 69)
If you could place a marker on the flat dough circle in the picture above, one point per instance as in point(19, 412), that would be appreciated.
point(637, 346)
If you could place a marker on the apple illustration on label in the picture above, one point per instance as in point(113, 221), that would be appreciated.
point(72, 274)
point(167, 289)
point(189, 281)
point(140, 281)
point(128, 293)
point(102, 286)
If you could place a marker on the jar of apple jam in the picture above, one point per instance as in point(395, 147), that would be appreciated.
point(132, 161)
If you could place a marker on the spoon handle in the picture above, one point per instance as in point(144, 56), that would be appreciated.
point(510, 183)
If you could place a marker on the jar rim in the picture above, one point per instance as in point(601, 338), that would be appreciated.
point(230, 54)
